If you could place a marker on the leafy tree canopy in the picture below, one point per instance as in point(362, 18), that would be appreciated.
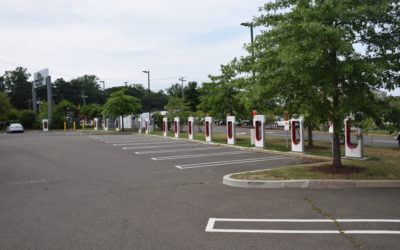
point(307, 53)
point(120, 104)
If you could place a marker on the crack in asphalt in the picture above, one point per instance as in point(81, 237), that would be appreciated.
point(339, 227)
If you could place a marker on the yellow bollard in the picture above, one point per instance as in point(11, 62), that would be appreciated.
point(74, 126)
point(83, 124)
point(65, 126)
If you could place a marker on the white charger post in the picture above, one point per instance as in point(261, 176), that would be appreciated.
point(297, 125)
point(191, 127)
point(208, 124)
point(177, 127)
point(350, 150)
point(96, 123)
point(165, 126)
point(259, 126)
point(230, 129)
point(45, 125)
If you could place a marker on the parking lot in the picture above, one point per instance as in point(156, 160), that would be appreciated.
point(72, 191)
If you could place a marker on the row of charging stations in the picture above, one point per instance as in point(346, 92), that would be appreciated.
point(296, 131)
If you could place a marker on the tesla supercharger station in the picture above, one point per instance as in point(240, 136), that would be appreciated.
point(230, 129)
point(191, 127)
point(96, 123)
point(147, 125)
point(259, 127)
point(165, 126)
point(105, 127)
point(45, 123)
point(297, 132)
point(352, 151)
point(176, 127)
point(139, 124)
point(117, 124)
point(208, 125)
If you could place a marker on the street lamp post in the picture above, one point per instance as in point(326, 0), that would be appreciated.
point(148, 79)
point(251, 25)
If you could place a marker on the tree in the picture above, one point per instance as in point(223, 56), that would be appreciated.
point(91, 110)
point(175, 90)
point(309, 47)
point(221, 96)
point(120, 104)
point(191, 96)
point(5, 108)
point(18, 88)
point(86, 88)
point(66, 110)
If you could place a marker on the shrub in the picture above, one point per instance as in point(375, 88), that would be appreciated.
point(27, 118)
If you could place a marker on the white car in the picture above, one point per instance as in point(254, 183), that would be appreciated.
point(15, 128)
point(280, 123)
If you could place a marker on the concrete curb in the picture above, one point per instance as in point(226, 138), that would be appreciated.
point(318, 184)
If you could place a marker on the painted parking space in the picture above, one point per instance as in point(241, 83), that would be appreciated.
point(304, 226)
point(187, 155)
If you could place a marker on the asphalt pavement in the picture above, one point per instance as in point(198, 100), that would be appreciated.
point(72, 191)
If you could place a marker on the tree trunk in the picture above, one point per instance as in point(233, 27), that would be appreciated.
point(122, 122)
point(337, 158)
point(310, 135)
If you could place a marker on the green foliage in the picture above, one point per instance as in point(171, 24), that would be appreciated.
point(13, 115)
point(309, 48)
point(5, 107)
point(18, 88)
point(191, 96)
point(175, 90)
point(222, 96)
point(91, 110)
point(120, 104)
point(27, 118)
point(66, 110)
point(158, 119)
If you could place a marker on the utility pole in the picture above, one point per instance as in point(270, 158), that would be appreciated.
point(182, 79)
point(84, 97)
point(104, 86)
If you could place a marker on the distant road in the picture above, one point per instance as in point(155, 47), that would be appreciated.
point(375, 140)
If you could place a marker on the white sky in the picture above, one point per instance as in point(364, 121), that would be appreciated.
point(117, 40)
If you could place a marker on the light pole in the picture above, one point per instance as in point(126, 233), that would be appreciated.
point(148, 78)
point(251, 25)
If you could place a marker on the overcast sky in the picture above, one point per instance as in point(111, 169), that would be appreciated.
point(117, 40)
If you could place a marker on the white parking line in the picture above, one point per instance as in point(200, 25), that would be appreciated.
point(162, 146)
point(175, 150)
point(219, 163)
point(126, 141)
point(197, 155)
point(145, 143)
point(211, 226)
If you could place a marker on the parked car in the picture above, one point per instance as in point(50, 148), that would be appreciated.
point(15, 128)
point(280, 122)
point(243, 123)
